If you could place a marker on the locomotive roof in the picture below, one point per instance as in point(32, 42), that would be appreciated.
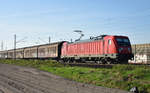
point(101, 37)
point(86, 40)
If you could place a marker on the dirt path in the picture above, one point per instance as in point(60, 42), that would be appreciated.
point(15, 79)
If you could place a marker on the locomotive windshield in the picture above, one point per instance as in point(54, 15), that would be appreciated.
point(123, 42)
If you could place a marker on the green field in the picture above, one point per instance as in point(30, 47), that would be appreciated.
point(119, 76)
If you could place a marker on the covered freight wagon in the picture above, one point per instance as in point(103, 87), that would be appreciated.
point(45, 51)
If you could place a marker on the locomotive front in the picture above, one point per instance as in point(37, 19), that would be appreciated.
point(124, 49)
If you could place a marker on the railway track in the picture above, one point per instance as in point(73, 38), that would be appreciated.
point(91, 65)
point(95, 65)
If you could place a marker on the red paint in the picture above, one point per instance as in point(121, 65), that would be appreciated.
point(96, 47)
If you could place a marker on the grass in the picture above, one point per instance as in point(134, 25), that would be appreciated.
point(120, 76)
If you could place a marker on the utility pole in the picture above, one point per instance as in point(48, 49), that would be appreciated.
point(2, 46)
point(71, 40)
point(5, 46)
point(15, 46)
point(135, 54)
point(49, 40)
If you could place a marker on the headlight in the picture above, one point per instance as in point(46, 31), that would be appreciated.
point(120, 49)
point(129, 49)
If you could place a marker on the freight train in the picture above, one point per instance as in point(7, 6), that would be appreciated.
point(100, 49)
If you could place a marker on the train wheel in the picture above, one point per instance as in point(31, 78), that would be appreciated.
point(114, 62)
point(68, 61)
point(103, 61)
point(98, 62)
point(61, 61)
point(109, 61)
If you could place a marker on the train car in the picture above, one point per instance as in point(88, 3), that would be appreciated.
point(3, 54)
point(52, 51)
point(31, 52)
point(45, 51)
point(20, 53)
point(34, 52)
point(10, 54)
point(101, 49)
point(27, 53)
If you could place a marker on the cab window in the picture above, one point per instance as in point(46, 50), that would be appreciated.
point(123, 41)
point(109, 42)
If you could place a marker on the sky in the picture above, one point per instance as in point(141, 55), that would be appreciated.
point(35, 21)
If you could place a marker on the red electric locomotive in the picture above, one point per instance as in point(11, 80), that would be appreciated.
point(101, 49)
